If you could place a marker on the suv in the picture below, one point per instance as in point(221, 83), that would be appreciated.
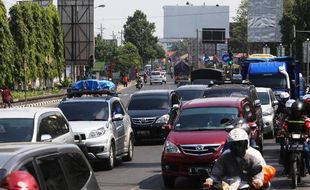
point(104, 123)
point(34, 125)
point(49, 165)
point(199, 134)
point(239, 90)
point(150, 111)
point(190, 92)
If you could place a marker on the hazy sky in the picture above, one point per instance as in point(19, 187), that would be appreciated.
point(113, 16)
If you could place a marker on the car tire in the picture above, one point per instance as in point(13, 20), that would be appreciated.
point(151, 83)
point(110, 162)
point(129, 156)
point(169, 181)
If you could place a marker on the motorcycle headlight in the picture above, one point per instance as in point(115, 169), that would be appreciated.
point(163, 119)
point(169, 147)
point(97, 133)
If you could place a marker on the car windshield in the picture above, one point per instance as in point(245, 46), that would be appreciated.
point(269, 81)
point(85, 111)
point(154, 102)
point(190, 94)
point(226, 92)
point(16, 129)
point(211, 118)
point(155, 73)
point(264, 98)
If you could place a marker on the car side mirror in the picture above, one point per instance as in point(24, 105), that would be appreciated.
point(257, 103)
point(275, 103)
point(118, 117)
point(46, 138)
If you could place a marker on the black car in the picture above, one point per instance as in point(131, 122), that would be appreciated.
point(190, 92)
point(239, 90)
point(150, 111)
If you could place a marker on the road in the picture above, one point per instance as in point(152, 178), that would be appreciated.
point(144, 171)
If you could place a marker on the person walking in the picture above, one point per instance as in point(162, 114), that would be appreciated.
point(125, 79)
point(6, 97)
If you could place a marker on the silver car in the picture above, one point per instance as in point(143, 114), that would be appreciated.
point(34, 125)
point(54, 166)
point(105, 124)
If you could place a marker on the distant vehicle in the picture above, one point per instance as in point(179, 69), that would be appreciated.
point(105, 124)
point(156, 77)
point(48, 165)
point(199, 134)
point(181, 71)
point(163, 74)
point(207, 76)
point(190, 92)
point(269, 107)
point(150, 111)
point(34, 125)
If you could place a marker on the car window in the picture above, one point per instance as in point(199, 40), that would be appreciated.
point(226, 92)
point(29, 167)
point(264, 98)
point(85, 111)
point(77, 169)
point(16, 129)
point(50, 125)
point(63, 124)
point(190, 94)
point(154, 102)
point(155, 73)
point(117, 108)
point(53, 175)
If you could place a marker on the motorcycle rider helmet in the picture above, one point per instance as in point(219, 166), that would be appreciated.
point(297, 109)
point(238, 141)
point(20, 180)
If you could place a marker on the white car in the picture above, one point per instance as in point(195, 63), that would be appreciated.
point(269, 106)
point(163, 74)
point(34, 125)
point(156, 77)
point(105, 124)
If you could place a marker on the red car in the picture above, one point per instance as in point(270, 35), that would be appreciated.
point(199, 134)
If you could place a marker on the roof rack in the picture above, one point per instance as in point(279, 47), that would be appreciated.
point(245, 82)
point(78, 93)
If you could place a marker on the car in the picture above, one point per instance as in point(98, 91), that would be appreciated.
point(105, 124)
point(150, 111)
point(156, 77)
point(269, 107)
point(190, 92)
point(228, 89)
point(34, 125)
point(49, 165)
point(163, 74)
point(198, 136)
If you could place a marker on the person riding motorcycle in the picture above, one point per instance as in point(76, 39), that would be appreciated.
point(297, 121)
point(238, 160)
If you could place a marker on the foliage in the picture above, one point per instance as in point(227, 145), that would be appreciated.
point(139, 32)
point(128, 58)
point(181, 47)
point(6, 49)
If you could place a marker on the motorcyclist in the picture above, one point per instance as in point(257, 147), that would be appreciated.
point(297, 122)
point(238, 160)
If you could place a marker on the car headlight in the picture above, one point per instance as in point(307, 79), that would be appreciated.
point(171, 148)
point(97, 133)
point(267, 112)
point(163, 119)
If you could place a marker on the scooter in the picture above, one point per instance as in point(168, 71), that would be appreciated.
point(139, 85)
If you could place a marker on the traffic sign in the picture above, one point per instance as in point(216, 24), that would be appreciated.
point(226, 58)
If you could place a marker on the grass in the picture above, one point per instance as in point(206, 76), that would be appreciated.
point(35, 93)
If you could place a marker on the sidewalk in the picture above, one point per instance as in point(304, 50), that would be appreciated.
point(121, 86)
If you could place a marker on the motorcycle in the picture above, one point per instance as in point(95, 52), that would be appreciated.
point(139, 85)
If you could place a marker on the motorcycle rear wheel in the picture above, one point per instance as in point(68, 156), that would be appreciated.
point(294, 174)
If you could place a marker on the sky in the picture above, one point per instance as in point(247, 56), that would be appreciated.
point(115, 13)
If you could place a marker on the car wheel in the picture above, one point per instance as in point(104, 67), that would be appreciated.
point(150, 83)
point(169, 181)
point(130, 150)
point(110, 162)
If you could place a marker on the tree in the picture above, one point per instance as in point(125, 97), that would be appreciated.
point(238, 31)
point(6, 49)
point(128, 58)
point(139, 32)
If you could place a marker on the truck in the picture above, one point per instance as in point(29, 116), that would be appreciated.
point(181, 72)
point(281, 74)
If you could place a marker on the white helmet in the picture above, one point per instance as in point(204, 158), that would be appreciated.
point(237, 134)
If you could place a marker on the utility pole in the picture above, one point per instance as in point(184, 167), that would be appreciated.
point(197, 30)
point(101, 31)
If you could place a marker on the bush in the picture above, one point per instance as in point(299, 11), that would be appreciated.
point(66, 83)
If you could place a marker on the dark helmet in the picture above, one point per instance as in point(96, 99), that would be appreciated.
point(297, 108)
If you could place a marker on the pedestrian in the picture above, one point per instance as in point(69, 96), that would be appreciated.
point(6, 97)
point(125, 80)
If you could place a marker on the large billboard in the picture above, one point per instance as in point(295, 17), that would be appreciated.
point(183, 21)
point(263, 20)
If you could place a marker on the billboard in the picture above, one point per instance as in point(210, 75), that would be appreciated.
point(263, 20)
point(183, 21)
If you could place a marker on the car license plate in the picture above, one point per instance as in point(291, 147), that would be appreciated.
point(143, 133)
point(199, 170)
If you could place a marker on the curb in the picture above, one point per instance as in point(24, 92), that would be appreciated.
point(38, 104)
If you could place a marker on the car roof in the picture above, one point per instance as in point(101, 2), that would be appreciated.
point(152, 92)
point(262, 89)
point(214, 102)
point(90, 99)
point(231, 86)
point(10, 152)
point(26, 112)
point(192, 87)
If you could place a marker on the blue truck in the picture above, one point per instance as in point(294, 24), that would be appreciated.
point(281, 74)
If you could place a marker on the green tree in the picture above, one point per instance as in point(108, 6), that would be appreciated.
point(139, 32)
point(238, 29)
point(181, 47)
point(128, 58)
point(6, 49)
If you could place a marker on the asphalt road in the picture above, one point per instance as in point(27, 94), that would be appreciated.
point(144, 171)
